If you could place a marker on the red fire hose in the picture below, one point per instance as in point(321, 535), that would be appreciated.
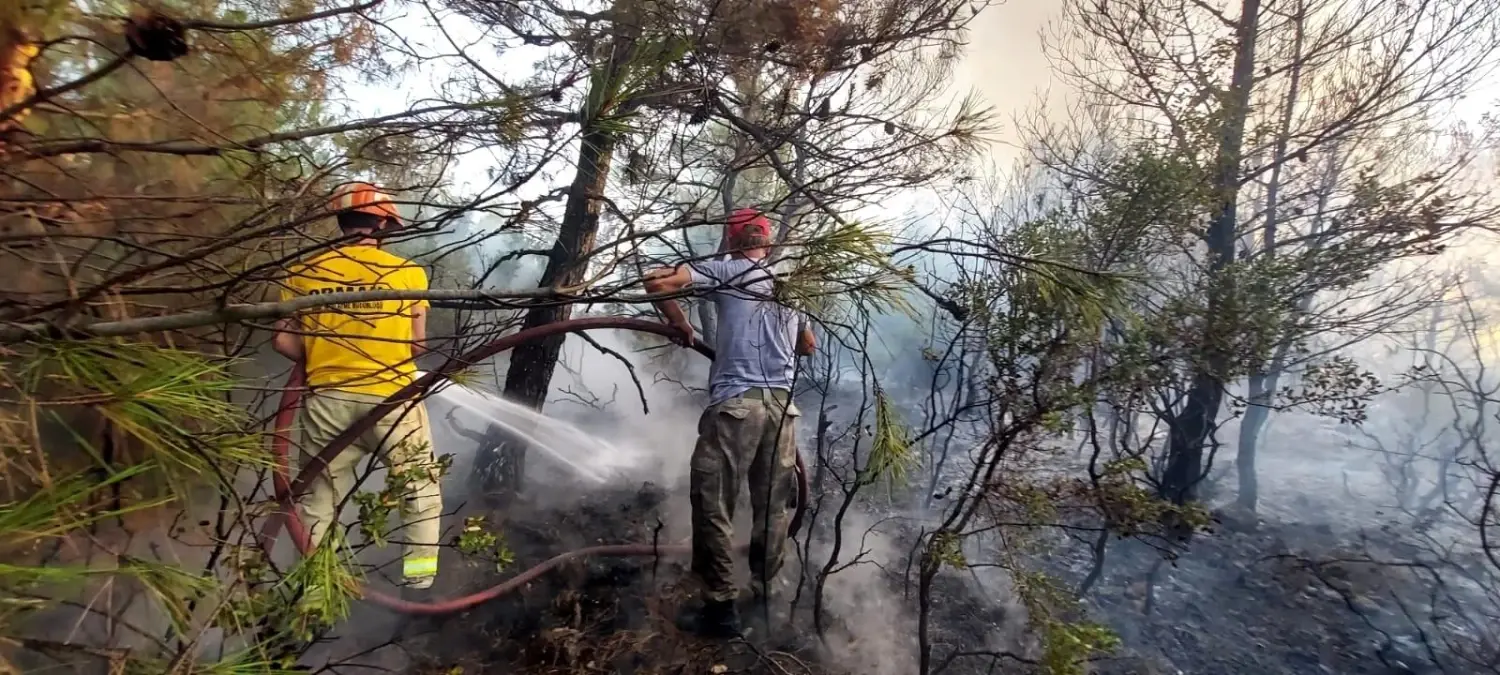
point(288, 489)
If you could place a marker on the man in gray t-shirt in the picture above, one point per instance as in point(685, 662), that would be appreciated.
point(748, 430)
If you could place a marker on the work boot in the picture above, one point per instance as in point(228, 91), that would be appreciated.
point(716, 619)
point(417, 589)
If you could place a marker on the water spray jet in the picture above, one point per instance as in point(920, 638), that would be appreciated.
point(527, 431)
point(288, 488)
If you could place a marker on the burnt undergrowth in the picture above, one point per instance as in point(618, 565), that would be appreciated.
point(591, 615)
point(1280, 597)
point(619, 614)
point(1273, 597)
point(1276, 598)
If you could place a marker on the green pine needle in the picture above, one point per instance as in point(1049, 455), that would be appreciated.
point(892, 453)
point(846, 267)
point(175, 404)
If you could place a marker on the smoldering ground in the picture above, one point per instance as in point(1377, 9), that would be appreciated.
point(617, 613)
point(1332, 576)
point(1239, 600)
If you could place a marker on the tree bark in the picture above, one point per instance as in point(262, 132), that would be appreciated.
point(1189, 428)
point(532, 364)
point(1262, 387)
point(928, 572)
point(1263, 384)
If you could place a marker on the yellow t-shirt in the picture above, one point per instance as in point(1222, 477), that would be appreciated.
point(362, 347)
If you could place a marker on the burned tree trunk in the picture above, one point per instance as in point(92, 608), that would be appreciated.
point(532, 363)
point(1263, 384)
point(1191, 426)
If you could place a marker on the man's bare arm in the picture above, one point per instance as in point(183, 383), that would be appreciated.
point(806, 342)
point(287, 342)
point(666, 281)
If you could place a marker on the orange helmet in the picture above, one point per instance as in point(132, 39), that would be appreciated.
point(364, 198)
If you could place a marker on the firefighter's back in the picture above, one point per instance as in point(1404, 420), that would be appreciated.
point(363, 347)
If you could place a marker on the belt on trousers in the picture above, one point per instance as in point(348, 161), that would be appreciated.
point(781, 396)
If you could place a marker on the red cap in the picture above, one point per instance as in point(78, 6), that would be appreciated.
point(747, 220)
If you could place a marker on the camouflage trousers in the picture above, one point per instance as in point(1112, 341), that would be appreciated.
point(752, 437)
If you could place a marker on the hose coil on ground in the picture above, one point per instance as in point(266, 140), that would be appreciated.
point(288, 488)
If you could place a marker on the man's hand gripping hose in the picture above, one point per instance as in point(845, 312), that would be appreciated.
point(288, 488)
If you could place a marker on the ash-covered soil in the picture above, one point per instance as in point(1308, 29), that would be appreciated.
point(593, 615)
point(618, 615)
point(1278, 599)
point(1240, 601)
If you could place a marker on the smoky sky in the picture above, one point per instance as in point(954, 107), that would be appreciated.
point(1005, 65)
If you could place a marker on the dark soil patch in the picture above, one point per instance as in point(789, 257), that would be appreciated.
point(598, 615)
point(1239, 602)
point(1242, 601)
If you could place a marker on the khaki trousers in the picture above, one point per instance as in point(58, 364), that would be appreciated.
point(402, 441)
point(752, 437)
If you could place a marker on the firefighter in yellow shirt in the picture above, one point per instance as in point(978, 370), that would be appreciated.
point(16, 83)
point(355, 356)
